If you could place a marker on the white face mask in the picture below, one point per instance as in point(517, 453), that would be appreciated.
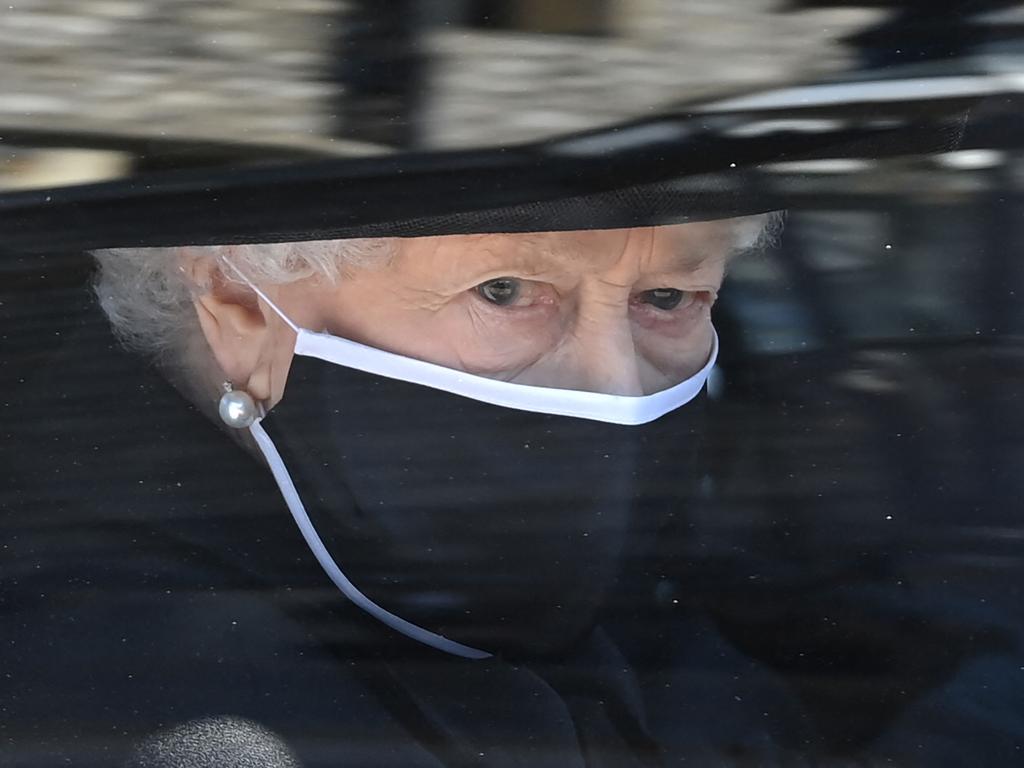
point(593, 406)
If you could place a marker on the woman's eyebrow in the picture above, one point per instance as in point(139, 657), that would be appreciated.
point(694, 259)
point(530, 256)
point(537, 255)
point(535, 249)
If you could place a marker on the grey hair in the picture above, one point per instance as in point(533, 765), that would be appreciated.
point(759, 232)
point(148, 297)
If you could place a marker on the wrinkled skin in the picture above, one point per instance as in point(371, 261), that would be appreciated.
point(616, 311)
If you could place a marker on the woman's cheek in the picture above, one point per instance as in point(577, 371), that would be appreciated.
point(677, 345)
point(500, 341)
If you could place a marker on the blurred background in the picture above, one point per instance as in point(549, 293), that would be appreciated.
point(94, 89)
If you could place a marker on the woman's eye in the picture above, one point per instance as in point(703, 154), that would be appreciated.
point(501, 291)
point(663, 298)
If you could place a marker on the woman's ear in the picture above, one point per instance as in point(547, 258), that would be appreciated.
point(240, 329)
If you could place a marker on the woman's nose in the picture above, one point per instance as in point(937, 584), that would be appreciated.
point(606, 358)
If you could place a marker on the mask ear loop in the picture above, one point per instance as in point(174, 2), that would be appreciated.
point(316, 544)
point(336, 575)
point(262, 295)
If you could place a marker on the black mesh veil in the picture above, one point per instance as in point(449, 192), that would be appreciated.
point(700, 164)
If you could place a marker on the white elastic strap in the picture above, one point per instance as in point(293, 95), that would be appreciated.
point(263, 296)
point(597, 406)
point(316, 545)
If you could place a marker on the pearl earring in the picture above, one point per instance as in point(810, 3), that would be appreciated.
point(237, 409)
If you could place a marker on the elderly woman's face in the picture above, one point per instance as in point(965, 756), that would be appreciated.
point(616, 311)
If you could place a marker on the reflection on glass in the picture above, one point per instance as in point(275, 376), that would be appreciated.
point(178, 85)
